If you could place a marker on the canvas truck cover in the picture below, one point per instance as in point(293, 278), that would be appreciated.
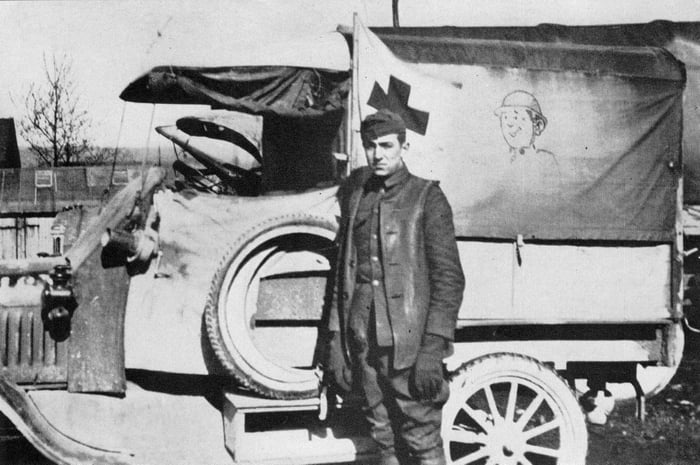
point(281, 90)
point(682, 39)
point(307, 77)
point(601, 153)
point(545, 141)
point(329, 52)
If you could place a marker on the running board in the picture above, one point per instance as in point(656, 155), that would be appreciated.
point(282, 443)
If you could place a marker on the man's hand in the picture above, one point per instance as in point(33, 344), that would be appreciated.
point(427, 372)
point(336, 367)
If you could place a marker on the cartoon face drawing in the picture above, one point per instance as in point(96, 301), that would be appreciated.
point(517, 127)
point(521, 119)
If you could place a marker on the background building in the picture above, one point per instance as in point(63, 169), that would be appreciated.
point(30, 199)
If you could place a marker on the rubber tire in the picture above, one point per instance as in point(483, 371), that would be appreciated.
point(469, 380)
point(234, 348)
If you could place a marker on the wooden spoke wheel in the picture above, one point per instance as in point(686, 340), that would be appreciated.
point(508, 409)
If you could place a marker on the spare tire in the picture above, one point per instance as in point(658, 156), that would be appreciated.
point(266, 301)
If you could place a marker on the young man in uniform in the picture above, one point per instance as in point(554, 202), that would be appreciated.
point(398, 290)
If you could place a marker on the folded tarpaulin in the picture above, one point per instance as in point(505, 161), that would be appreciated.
point(682, 39)
point(544, 141)
point(281, 90)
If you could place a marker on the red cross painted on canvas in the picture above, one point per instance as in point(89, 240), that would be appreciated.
point(396, 100)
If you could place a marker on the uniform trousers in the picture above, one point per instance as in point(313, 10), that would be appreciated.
point(391, 406)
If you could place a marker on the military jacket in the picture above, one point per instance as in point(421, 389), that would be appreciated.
point(423, 276)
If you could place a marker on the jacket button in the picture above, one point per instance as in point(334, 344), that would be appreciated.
point(375, 283)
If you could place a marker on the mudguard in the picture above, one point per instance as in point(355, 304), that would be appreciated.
point(16, 405)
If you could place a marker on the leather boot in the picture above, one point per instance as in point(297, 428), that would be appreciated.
point(432, 459)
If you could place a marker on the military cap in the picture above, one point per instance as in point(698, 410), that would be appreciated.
point(382, 123)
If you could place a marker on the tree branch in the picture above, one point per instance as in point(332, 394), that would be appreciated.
point(55, 125)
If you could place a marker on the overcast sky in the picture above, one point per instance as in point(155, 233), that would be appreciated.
point(111, 43)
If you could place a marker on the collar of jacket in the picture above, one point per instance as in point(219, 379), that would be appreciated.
point(396, 178)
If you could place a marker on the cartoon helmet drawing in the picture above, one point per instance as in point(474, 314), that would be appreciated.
point(522, 99)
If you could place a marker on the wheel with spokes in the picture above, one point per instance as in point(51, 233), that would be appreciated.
point(509, 409)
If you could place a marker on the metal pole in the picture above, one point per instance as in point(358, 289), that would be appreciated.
point(354, 97)
point(395, 12)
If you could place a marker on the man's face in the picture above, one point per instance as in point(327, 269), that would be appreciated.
point(384, 154)
point(517, 127)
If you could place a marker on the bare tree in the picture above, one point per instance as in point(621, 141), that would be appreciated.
point(55, 125)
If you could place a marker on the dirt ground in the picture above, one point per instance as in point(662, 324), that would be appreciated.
point(671, 433)
point(669, 436)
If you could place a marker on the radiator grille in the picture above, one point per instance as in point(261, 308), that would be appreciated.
point(28, 353)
